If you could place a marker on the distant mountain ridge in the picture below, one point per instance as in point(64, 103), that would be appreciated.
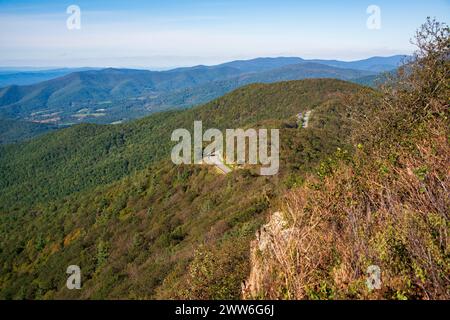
point(305, 70)
point(115, 95)
point(27, 77)
point(78, 90)
point(373, 64)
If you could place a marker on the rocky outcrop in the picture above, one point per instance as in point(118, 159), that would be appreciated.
point(269, 240)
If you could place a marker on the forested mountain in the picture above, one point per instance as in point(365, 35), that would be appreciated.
point(69, 94)
point(114, 95)
point(12, 131)
point(87, 155)
point(374, 64)
point(275, 178)
point(107, 197)
point(27, 76)
point(364, 183)
point(305, 70)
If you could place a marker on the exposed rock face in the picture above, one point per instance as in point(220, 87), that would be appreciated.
point(269, 239)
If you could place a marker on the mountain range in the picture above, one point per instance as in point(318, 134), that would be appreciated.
point(108, 198)
point(116, 95)
point(362, 183)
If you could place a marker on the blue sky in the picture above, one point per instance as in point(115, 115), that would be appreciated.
point(163, 34)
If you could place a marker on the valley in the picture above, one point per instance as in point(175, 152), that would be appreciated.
point(119, 95)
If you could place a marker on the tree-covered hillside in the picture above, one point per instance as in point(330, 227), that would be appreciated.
point(111, 95)
point(108, 199)
point(12, 131)
point(364, 184)
point(88, 155)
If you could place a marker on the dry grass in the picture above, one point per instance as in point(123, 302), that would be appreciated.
point(387, 205)
point(359, 217)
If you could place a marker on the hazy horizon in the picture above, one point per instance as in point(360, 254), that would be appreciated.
point(165, 35)
point(25, 68)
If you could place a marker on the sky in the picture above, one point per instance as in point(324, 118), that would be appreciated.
point(157, 34)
